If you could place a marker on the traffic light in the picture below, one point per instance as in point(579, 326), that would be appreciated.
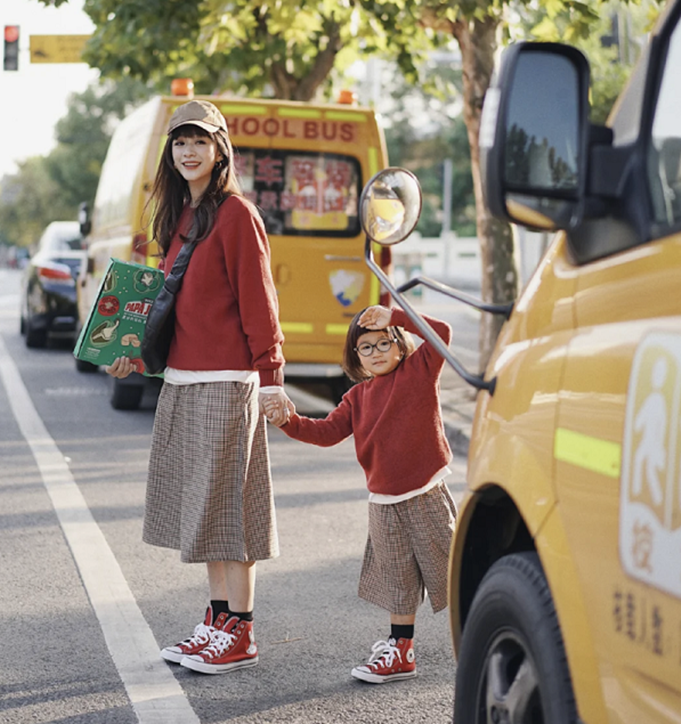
point(11, 55)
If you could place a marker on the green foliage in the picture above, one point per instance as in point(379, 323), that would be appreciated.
point(586, 26)
point(29, 201)
point(285, 49)
point(435, 105)
point(50, 188)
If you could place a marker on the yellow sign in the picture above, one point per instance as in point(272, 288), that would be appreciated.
point(57, 48)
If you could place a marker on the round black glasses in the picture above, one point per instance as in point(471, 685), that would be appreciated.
point(366, 349)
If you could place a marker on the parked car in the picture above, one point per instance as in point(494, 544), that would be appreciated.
point(48, 300)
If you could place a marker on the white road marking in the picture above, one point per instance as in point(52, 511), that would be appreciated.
point(154, 693)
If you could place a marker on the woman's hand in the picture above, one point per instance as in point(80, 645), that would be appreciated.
point(375, 318)
point(277, 407)
point(120, 368)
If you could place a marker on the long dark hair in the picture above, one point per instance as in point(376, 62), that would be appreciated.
point(351, 364)
point(170, 191)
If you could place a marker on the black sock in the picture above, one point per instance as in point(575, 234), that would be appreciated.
point(246, 616)
point(398, 631)
point(219, 607)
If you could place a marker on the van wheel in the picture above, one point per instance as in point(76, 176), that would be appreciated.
point(83, 366)
point(126, 396)
point(512, 665)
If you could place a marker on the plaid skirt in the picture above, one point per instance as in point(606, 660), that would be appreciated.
point(407, 552)
point(209, 488)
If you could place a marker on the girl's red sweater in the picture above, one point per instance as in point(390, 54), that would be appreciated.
point(395, 418)
point(226, 310)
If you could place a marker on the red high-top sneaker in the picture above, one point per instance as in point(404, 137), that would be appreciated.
point(202, 636)
point(390, 661)
point(232, 648)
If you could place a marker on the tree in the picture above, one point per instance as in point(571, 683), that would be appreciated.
point(479, 26)
point(285, 49)
point(29, 201)
point(424, 128)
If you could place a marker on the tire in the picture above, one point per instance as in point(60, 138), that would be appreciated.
point(35, 338)
point(339, 386)
point(22, 325)
point(512, 665)
point(125, 396)
point(83, 366)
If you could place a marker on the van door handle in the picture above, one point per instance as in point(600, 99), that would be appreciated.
point(282, 274)
point(331, 257)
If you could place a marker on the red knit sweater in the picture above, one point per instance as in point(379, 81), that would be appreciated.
point(395, 418)
point(226, 310)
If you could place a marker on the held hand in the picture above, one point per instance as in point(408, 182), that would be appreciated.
point(120, 368)
point(277, 407)
point(375, 318)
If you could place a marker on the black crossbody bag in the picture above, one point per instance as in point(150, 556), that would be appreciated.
point(160, 327)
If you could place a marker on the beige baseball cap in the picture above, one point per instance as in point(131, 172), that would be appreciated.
point(198, 113)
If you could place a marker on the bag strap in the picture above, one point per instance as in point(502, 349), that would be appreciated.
point(173, 281)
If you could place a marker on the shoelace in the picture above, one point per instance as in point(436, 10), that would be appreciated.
point(201, 633)
point(220, 643)
point(384, 650)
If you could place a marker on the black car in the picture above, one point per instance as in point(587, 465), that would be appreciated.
point(48, 303)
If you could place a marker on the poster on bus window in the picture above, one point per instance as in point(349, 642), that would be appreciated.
point(302, 193)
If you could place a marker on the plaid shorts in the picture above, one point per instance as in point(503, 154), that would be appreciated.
point(407, 552)
point(209, 489)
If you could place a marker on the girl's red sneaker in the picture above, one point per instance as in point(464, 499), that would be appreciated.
point(390, 661)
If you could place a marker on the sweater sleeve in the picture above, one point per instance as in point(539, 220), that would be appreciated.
point(334, 428)
point(248, 265)
point(431, 357)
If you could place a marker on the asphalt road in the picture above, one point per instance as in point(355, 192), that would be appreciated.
point(85, 606)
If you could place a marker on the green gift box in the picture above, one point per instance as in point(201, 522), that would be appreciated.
point(115, 324)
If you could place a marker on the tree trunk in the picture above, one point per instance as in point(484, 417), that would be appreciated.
point(477, 41)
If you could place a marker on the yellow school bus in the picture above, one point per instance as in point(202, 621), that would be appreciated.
point(303, 165)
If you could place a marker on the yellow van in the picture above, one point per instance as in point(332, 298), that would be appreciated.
point(304, 166)
point(565, 569)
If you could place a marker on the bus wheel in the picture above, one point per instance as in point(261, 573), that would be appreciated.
point(126, 396)
point(83, 366)
point(512, 665)
point(339, 386)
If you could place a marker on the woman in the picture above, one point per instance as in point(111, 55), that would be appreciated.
point(209, 491)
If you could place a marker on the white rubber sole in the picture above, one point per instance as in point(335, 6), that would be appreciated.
point(198, 664)
point(173, 656)
point(378, 679)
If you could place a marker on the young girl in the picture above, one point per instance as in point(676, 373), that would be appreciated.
point(209, 491)
point(394, 415)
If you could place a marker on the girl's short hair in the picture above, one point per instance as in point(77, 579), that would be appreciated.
point(351, 364)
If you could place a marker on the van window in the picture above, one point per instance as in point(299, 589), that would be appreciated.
point(664, 156)
point(302, 193)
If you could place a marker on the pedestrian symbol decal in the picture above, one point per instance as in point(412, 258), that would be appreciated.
point(346, 286)
point(650, 494)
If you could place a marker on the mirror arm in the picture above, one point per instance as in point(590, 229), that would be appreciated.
point(504, 309)
point(428, 332)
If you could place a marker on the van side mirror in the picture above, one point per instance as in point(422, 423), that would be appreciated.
point(390, 205)
point(84, 218)
point(534, 136)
